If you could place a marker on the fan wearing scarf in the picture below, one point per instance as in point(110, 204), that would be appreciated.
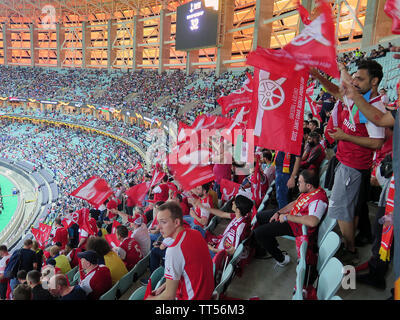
point(308, 210)
point(357, 139)
point(237, 230)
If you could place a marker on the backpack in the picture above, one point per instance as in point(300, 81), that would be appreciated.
point(13, 265)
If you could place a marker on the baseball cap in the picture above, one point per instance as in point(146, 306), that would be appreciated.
point(89, 255)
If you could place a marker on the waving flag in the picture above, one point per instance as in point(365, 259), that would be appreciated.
point(392, 9)
point(192, 169)
point(315, 46)
point(229, 189)
point(237, 98)
point(112, 240)
point(157, 177)
point(304, 14)
point(314, 108)
point(42, 235)
point(76, 217)
point(138, 192)
point(94, 190)
point(277, 111)
point(135, 168)
point(283, 62)
point(256, 185)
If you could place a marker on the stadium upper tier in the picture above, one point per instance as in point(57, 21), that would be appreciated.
point(73, 156)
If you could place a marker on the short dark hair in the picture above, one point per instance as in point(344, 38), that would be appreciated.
point(57, 220)
point(314, 134)
point(159, 203)
point(28, 242)
point(374, 68)
point(310, 177)
point(174, 208)
point(244, 204)
point(314, 122)
point(267, 155)
point(21, 274)
point(122, 231)
point(22, 292)
point(206, 186)
point(306, 130)
point(3, 248)
point(34, 276)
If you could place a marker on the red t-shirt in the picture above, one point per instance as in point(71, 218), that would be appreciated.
point(97, 282)
point(207, 201)
point(189, 261)
point(130, 252)
point(351, 154)
point(163, 195)
point(61, 235)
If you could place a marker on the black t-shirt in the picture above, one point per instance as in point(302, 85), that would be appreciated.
point(28, 258)
point(76, 294)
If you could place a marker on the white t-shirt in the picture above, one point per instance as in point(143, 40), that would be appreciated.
point(3, 263)
point(142, 237)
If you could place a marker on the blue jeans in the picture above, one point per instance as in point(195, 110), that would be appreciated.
point(190, 220)
point(157, 257)
point(282, 191)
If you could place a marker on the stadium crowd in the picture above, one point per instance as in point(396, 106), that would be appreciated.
point(166, 213)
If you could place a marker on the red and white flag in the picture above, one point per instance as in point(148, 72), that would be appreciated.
point(256, 186)
point(277, 111)
point(238, 98)
point(310, 89)
point(135, 168)
point(138, 192)
point(94, 190)
point(392, 9)
point(158, 175)
point(314, 108)
point(42, 234)
point(112, 240)
point(315, 46)
point(261, 58)
point(75, 217)
point(229, 189)
point(304, 14)
point(192, 169)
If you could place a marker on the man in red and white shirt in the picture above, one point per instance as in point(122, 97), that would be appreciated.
point(59, 234)
point(199, 216)
point(161, 192)
point(129, 250)
point(188, 264)
point(97, 279)
point(5, 257)
point(357, 138)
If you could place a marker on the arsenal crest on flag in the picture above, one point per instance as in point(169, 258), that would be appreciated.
point(94, 190)
point(278, 110)
point(42, 235)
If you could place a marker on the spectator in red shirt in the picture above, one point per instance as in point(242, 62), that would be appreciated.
point(128, 250)
point(188, 264)
point(60, 233)
point(97, 279)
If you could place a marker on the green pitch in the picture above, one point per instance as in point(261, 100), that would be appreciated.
point(9, 202)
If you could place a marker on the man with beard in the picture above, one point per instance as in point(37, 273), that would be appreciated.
point(357, 138)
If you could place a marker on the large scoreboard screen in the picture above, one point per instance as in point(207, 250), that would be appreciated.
point(196, 25)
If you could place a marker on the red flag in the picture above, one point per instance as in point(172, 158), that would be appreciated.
point(304, 14)
point(229, 189)
point(277, 111)
point(94, 190)
point(158, 175)
point(138, 192)
point(314, 108)
point(135, 168)
point(256, 185)
point(238, 98)
point(392, 9)
point(76, 217)
point(42, 235)
point(112, 240)
point(315, 46)
point(114, 226)
point(261, 58)
point(310, 89)
point(192, 170)
point(148, 290)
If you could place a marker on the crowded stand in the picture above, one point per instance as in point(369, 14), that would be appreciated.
point(184, 232)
